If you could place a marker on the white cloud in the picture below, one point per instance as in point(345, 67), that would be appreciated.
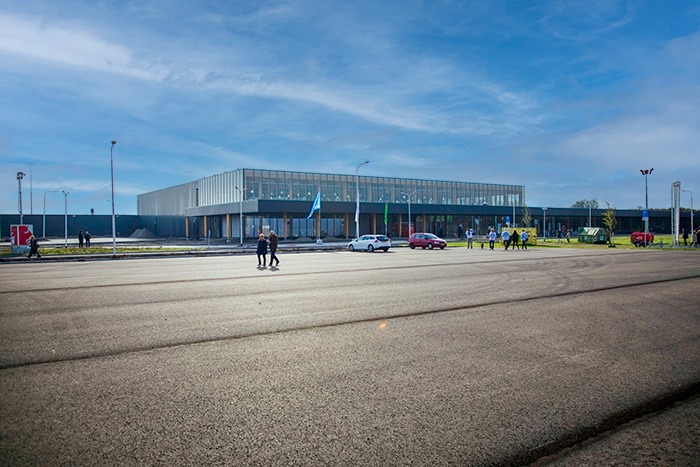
point(61, 45)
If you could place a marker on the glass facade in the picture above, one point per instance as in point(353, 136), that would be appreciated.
point(303, 186)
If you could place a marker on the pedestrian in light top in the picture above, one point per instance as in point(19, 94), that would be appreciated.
point(523, 237)
point(273, 248)
point(568, 236)
point(262, 251)
point(505, 236)
point(492, 238)
point(470, 239)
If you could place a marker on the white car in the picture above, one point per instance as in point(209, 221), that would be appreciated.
point(370, 243)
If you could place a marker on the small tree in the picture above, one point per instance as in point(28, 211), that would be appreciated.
point(610, 222)
point(527, 218)
point(586, 203)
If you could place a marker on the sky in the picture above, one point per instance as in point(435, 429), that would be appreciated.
point(570, 99)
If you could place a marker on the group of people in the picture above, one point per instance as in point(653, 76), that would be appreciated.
point(516, 239)
point(263, 245)
point(84, 238)
point(694, 237)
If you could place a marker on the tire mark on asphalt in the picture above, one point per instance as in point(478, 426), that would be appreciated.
point(312, 273)
point(584, 436)
point(505, 301)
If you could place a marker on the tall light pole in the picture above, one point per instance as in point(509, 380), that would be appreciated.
point(646, 174)
point(240, 211)
point(692, 226)
point(31, 190)
point(357, 198)
point(114, 224)
point(43, 235)
point(65, 218)
point(408, 195)
point(544, 224)
point(20, 176)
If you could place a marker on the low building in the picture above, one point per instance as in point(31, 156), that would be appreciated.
point(281, 200)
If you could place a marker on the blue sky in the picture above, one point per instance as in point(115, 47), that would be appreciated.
point(568, 98)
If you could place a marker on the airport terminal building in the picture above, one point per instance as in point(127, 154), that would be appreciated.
point(282, 200)
point(263, 200)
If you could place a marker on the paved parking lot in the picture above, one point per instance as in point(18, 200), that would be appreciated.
point(406, 357)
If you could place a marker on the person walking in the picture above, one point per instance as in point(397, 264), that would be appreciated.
point(262, 250)
point(492, 238)
point(685, 237)
point(33, 247)
point(568, 236)
point(470, 239)
point(273, 248)
point(87, 239)
point(505, 236)
point(80, 239)
point(559, 236)
point(515, 238)
point(523, 238)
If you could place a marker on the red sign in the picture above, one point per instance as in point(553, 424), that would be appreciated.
point(20, 233)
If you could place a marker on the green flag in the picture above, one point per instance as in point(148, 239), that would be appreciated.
point(386, 213)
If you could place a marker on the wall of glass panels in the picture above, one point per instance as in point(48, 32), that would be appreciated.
point(303, 186)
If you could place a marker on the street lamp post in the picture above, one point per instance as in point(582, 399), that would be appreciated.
point(114, 224)
point(31, 190)
point(357, 198)
point(240, 212)
point(43, 235)
point(20, 176)
point(65, 218)
point(544, 224)
point(408, 195)
point(692, 226)
point(646, 174)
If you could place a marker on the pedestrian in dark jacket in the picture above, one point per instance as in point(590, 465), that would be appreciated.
point(262, 250)
point(87, 239)
point(273, 248)
point(33, 247)
point(80, 239)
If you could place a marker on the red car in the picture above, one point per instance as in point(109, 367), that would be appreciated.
point(426, 240)
point(637, 238)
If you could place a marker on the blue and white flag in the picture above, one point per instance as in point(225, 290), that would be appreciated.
point(316, 206)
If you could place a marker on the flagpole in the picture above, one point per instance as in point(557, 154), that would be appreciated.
point(318, 229)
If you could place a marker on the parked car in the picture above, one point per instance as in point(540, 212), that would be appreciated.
point(370, 243)
point(637, 238)
point(426, 240)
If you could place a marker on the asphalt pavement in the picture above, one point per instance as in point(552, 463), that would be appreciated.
point(454, 357)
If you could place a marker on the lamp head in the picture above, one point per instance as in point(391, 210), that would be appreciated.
point(113, 143)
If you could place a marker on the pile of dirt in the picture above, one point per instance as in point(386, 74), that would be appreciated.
point(142, 233)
